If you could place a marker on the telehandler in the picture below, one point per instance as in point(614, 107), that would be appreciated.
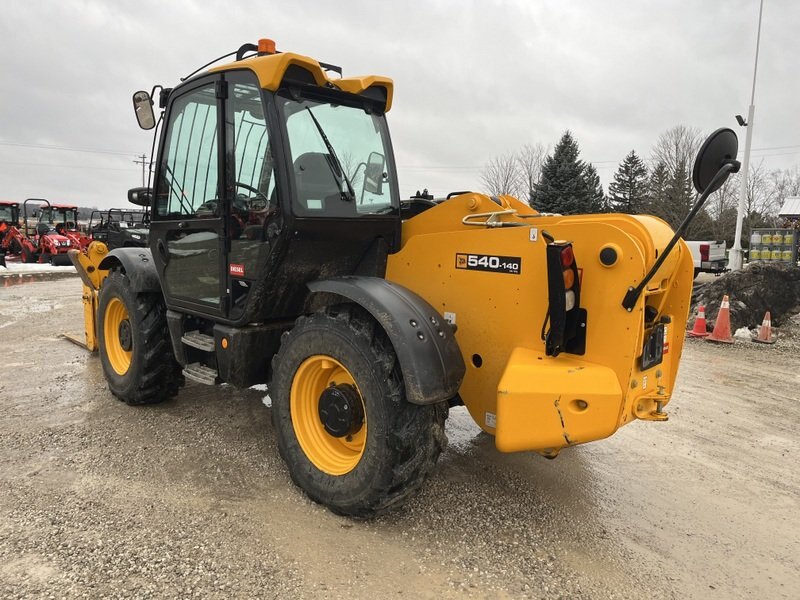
point(280, 252)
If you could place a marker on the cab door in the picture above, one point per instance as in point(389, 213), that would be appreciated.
point(188, 226)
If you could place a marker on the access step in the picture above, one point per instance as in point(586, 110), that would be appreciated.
point(200, 373)
point(198, 340)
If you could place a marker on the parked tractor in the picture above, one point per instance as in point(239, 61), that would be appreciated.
point(64, 219)
point(44, 243)
point(14, 240)
point(9, 219)
point(270, 261)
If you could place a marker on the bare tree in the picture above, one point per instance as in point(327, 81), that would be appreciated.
point(761, 199)
point(501, 175)
point(529, 160)
point(722, 207)
point(677, 148)
point(786, 183)
point(674, 153)
point(352, 169)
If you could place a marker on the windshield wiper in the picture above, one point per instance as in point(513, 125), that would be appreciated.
point(351, 195)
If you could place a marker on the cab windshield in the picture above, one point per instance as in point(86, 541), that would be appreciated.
point(338, 155)
point(7, 213)
point(59, 215)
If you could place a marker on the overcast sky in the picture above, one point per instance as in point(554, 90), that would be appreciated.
point(472, 79)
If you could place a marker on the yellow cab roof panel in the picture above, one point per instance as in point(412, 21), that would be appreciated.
point(271, 69)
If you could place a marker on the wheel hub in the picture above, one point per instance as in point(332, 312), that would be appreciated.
point(125, 335)
point(340, 410)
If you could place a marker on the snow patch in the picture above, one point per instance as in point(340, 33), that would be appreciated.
point(461, 429)
point(267, 401)
point(20, 268)
point(260, 387)
point(743, 333)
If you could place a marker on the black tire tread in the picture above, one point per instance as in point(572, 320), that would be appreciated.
point(417, 435)
point(157, 376)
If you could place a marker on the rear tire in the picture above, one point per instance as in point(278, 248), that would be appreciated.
point(135, 347)
point(385, 460)
point(28, 256)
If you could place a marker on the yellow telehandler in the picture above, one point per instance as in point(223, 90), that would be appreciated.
point(280, 252)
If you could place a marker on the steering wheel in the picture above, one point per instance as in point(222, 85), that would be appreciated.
point(260, 202)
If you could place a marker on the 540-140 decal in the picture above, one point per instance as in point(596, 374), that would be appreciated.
point(489, 262)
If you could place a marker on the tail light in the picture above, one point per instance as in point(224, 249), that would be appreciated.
point(704, 252)
point(566, 320)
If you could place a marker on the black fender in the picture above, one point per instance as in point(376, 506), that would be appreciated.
point(138, 266)
point(424, 342)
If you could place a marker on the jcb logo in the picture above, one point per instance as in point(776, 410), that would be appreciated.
point(461, 261)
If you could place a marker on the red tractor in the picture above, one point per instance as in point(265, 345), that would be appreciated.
point(44, 243)
point(13, 239)
point(64, 219)
point(9, 222)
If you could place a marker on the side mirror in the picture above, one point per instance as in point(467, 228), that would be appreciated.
point(140, 196)
point(373, 173)
point(143, 106)
point(718, 150)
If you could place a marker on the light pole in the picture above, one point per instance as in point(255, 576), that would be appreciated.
point(735, 262)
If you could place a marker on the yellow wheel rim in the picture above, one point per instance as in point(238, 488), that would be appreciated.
point(330, 454)
point(117, 336)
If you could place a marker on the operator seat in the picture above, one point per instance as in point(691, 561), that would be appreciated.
point(315, 180)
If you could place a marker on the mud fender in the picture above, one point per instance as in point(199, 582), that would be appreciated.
point(138, 266)
point(426, 347)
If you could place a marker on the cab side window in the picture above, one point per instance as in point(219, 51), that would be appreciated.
point(254, 183)
point(188, 180)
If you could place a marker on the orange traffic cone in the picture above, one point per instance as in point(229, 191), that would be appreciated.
point(765, 331)
point(722, 327)
point(700, 329)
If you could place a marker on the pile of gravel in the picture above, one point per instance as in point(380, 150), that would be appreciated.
point(756, 289)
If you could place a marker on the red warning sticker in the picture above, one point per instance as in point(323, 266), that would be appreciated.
point(236, 270)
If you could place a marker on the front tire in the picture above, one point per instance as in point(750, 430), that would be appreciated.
point(349, 437)
point(135, 348)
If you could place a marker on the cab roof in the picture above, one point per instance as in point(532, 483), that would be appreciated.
point(273, 70)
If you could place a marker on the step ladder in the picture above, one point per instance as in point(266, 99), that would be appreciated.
point(196, 371)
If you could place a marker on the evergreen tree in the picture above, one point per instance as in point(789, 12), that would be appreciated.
point(628, 192)
point(680, 194)
point(562, 187)
point(657, 191)
point(599, 201)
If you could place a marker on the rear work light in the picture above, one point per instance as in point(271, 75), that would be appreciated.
point(565, 317)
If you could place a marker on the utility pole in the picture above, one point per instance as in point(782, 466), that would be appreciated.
point(142, 162)
point(736, 261)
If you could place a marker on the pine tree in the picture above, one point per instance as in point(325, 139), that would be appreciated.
point(562, 187)
point(629, 190)
point(657, 191)
point(598, 202)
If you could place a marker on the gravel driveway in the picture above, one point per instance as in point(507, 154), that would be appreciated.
point(190, 498)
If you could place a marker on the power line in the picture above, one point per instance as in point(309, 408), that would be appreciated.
point(90, 167)
point(51, 147)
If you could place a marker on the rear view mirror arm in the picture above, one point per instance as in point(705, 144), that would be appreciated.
point(633, 293)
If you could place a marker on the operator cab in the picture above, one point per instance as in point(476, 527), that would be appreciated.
point(55, 215)
point(259, 191)
point(9, 215)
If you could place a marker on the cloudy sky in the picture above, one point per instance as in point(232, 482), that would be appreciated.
point(472, 79)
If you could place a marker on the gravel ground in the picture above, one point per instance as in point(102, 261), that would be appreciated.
point(190, 498)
